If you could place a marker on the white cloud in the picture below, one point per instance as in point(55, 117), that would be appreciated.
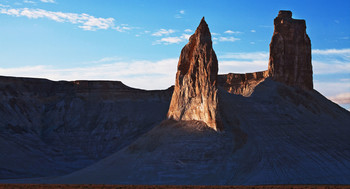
point(232, 32)
point(172, 40)
point(345, 52)
point(1, 5)
point(247, 56)
point(30, 2)
point(188, 30)
point(107, 60)
point(330, 67)
point(330, 61)
point(48, 1)
point(162, 32)
point(244, 62)
point(331, 89)
point(84, 21)
point(180, 14)
point(228, 39)
point(214, 34)
point(241, 66)
point(122, 28)
point(343, 98)
point(141, 74)
point(253, 31)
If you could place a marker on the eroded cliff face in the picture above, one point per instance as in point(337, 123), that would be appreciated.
point(290, 52)
point(241, 84)
point(195, 93)
point(52, 128)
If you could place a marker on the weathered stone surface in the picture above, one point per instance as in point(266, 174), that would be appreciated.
point(50, 128)
point(195, 93)
point(241, 84)
point(290, 52)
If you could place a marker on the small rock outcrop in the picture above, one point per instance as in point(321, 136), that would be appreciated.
point(195, 93)
point(290, 52)
point(241, 84)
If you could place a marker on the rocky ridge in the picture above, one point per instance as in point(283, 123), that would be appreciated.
point(60, 127)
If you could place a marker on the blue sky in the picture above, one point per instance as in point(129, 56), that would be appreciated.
point(139, 42)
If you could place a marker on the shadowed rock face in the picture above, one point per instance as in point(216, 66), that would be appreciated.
point(50, 128)
point(195, 92)
point(290, 52)
point(241, 84)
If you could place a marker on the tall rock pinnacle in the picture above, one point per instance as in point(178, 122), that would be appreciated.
point(290, 52)
point(195, 93)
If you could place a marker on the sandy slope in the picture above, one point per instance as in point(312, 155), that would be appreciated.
point(278, 135)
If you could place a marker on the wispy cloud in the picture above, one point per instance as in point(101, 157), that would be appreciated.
point(180, 14)
point(141, 74)
point(243, 62)
point(253, 31)
point(1, 5)
point(328, 61)
point(172, 40)
point(29, 2)
point(228, 39)
point(345, 52)
point(246, 56)
point(162, 32)
point(84, 21)
point(48, 1)
point(332, 89)
point(232, 32)
point(343, 98)
point(188, 30)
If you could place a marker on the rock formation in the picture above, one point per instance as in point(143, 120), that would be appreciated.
point(241, 84)
point(290, 52)
point(195, 93)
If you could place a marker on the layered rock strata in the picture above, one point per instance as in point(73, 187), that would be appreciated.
point(290, 52)
point(195, 93)
point(241, 84)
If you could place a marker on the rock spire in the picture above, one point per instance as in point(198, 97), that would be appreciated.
point(290, 52)
point(195, 95)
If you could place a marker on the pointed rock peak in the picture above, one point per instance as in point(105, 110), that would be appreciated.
point(203, 29)
point(202, 21)
point(195, 92)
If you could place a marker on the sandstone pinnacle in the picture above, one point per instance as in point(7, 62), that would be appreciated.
point(290, 52)
point(195, 93)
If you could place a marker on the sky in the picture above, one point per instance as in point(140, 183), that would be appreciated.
point(138, 42)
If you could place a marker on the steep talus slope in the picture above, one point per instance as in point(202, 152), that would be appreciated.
point(299, 136)
point(278, 135)
point(51, 128)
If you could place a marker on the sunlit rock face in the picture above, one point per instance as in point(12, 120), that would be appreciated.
point(195, 93)
point(290, 52)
